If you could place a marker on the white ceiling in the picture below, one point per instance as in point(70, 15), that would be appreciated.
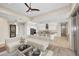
point(44, 8)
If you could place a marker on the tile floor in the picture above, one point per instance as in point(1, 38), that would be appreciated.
point(60, 46)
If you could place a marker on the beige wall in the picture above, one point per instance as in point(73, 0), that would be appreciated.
point(70, 34)
point(4, 29)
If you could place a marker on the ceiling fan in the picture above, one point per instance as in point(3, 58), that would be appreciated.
point(30, 8)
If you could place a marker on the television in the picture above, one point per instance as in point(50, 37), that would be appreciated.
point(32, 31)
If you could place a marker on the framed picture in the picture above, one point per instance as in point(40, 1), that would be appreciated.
point(12, 30)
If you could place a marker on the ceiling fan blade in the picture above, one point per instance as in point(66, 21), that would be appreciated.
point(28, 10)
point(26, 5)
point(35, 9)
